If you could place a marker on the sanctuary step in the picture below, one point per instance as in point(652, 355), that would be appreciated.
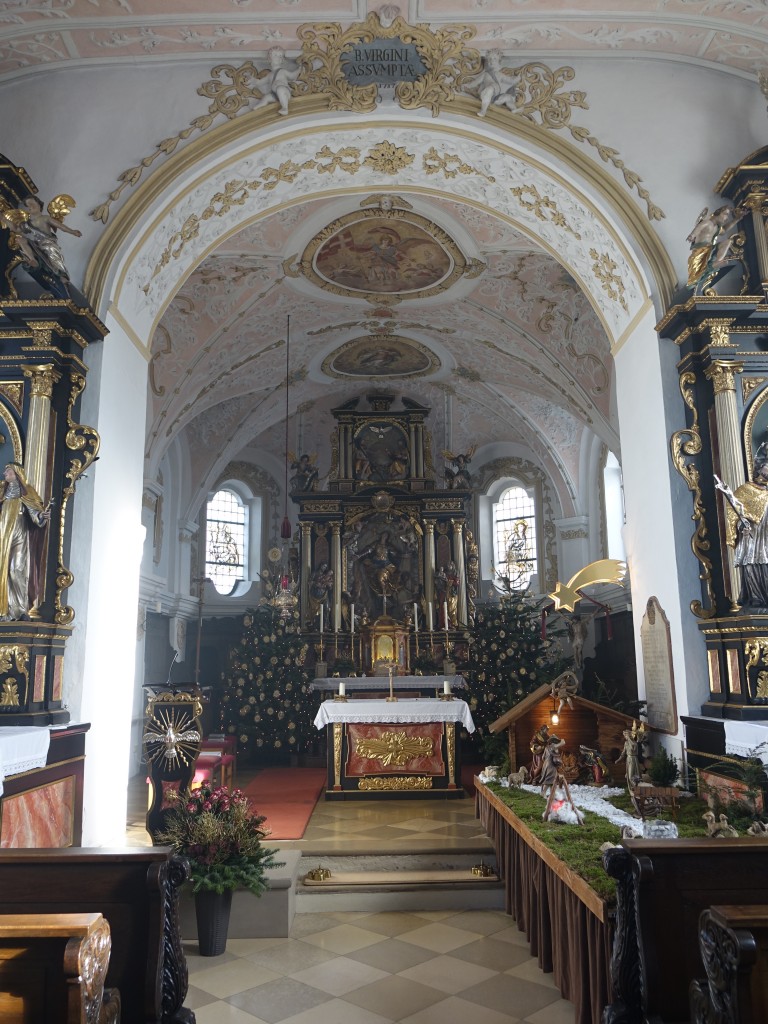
point(379, 882)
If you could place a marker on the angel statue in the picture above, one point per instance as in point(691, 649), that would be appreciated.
point(458, 479)
point(713, 251)
point(492, 87)
point(282, 73)
point(34, 238)
point(306, 472)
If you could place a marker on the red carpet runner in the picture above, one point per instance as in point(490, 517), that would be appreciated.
point(286, 797)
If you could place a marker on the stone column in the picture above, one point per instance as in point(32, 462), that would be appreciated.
point(429, 566)
point(336, 562)
point(721, 373)
point(42, 377)
point(306, 569)
point(458, 557)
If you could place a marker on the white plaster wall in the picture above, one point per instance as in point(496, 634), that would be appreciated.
point(658, 528)
point(107, 541)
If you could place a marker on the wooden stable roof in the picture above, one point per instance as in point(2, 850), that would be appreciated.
point(544, 692)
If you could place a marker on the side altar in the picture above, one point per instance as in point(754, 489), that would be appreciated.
point(401, 748)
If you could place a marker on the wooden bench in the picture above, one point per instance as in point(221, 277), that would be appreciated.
point(734, 948)
point(52, 969)
point(137, 891)
point(662, 888)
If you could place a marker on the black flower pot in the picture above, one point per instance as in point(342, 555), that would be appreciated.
point(212, 911)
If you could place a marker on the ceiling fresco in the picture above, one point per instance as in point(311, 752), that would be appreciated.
point(380, 357)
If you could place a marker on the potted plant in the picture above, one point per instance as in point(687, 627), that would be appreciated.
point(221, 837)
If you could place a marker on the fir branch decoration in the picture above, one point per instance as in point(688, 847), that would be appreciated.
point(221, 837)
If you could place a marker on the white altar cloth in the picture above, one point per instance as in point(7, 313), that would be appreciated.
point(22, 748)
point(417, 709)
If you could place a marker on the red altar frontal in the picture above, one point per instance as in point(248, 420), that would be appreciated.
point(406, 748)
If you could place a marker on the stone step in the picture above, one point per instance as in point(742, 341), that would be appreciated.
point(409, 881)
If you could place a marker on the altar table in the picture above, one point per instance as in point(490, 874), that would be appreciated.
point(406, 748)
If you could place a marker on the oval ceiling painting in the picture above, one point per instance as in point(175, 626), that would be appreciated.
point(381, 356)
point(372, 253)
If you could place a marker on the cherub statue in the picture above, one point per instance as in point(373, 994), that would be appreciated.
point(491, 86)
point(458, 479)
point(564, 688)
point(306, 472)
point(277, 83)
point(34, 237)
point(712, 250)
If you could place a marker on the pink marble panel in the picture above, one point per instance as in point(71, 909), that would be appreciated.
point(39, 691)
point(58, 676)
point(43, 817)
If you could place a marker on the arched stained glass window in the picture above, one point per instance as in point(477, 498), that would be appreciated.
point(514, 537)
point(225, 552)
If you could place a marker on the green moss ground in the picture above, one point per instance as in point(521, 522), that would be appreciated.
point(579, 846)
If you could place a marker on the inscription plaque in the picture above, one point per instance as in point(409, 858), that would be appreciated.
point(657, 667)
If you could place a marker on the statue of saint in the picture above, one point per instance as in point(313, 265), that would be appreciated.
point(306, 473)
point(282, 73)
point(34, 235)
point(320, 586)
point(712, 249)
point(21, 512)
point(746, 531)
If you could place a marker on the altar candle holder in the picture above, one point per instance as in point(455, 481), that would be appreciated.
point(341, 696)
point(391, 696)
point(446, 694)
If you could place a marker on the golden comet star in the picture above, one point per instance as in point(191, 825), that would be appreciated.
point(605, 570)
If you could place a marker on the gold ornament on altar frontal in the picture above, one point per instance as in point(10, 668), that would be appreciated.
point(395, 748)
point(172, 736)
point(395, 784)
point(605, 570)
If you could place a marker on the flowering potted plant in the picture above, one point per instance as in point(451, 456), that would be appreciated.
point(222, 839)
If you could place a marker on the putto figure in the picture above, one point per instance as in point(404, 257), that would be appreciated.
point(21, 511)
point(713, 250)
point(458, 479)
point(279, 79)
point(34, 235)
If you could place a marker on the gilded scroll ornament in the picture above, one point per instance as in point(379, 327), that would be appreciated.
point(86, 440)
point(688, 443)
point(13, 391)
point(394, 784)
point(605, 270)
point(544, 207)
point(14, 658)
point(9, 695)
point(749, 384)
point(756, 652)
point(719, 333)
point(395, 748)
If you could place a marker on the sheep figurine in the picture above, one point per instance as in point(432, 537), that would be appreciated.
point(517, 779)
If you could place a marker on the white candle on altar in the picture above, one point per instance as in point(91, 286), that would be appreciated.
point(352, 618)
point(445, 614)
point(446, 687)
point(415, 617)
point(343, 689)
point(429, 616)
point(321, 618)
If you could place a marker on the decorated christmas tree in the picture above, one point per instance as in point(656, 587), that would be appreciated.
point(508, 658)
point(267, 701)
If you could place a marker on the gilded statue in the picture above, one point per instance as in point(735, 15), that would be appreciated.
point(746, 531)
point(458, 478)
point(34, 236)
point(713, 250)
point(305, 475)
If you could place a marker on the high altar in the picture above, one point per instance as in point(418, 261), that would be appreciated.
point(388, 579)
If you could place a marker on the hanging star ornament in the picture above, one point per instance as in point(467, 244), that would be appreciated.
point(605, 570)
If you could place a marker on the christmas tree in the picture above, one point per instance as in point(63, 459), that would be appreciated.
point(267, 700)
point(507, 659)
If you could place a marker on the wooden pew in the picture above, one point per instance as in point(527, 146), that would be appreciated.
point(662, 888)
point(137, 891)
point(734, 948)
point(52, 969)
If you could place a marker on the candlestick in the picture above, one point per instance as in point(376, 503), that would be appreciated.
point(321, 619)
point(352, 619)
point(429, 617)
point(446, 686)
point(415, 617)
point(391, 687)
point(445, 614)
point(343, 689)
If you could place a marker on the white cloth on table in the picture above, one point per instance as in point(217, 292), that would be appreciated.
point(417, 709)
point(22, 748)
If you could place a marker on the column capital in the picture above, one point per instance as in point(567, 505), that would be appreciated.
point(43, 376)
point(722, 372)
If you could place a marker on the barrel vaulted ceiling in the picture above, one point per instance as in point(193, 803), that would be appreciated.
point(409, 290)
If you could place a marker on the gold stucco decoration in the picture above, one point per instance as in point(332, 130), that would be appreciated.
point(449, 65)
point(543, 207)
point(395, 748)
point(688, 443)
point(606, 271)
point(393, 784)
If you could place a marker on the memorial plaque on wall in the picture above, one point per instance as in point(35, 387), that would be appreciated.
point(657, 667)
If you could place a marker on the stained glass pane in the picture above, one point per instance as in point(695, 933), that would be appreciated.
point(514, 536)
point(225, 541)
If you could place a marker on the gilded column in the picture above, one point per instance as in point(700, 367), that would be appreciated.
point(336, 560)
point(42, 377)
point(721, 373)
point(306, 569)
point(458, 557)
